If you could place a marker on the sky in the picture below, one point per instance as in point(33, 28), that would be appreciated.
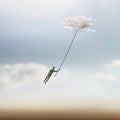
point(32, 40)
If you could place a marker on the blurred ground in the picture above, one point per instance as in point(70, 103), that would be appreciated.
point(57, 115)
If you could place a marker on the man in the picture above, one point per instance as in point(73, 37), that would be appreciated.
point(50, 74)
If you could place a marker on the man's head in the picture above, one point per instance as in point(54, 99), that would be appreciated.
point(53, 68)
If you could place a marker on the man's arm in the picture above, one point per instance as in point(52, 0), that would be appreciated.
point(56, 70)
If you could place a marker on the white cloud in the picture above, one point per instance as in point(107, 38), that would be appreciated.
point(20, 74)
point(105, 77)
point(14, 75)
point(113, 64)
point(79, 23)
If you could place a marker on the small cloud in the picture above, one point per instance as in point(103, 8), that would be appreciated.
point(105, 77)
point(91, 30)
point(113, 64)
point(79, 23)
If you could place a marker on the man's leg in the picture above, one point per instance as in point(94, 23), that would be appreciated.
point(45, 78)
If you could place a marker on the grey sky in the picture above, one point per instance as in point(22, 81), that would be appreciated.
point(45, 40)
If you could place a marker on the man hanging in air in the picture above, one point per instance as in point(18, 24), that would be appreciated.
point(50, 74)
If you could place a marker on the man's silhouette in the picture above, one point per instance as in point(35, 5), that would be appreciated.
point(50, 74)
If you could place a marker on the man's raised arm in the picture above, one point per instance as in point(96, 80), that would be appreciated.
point(56, 70)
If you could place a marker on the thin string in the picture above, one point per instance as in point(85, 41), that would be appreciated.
point(67, 52)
